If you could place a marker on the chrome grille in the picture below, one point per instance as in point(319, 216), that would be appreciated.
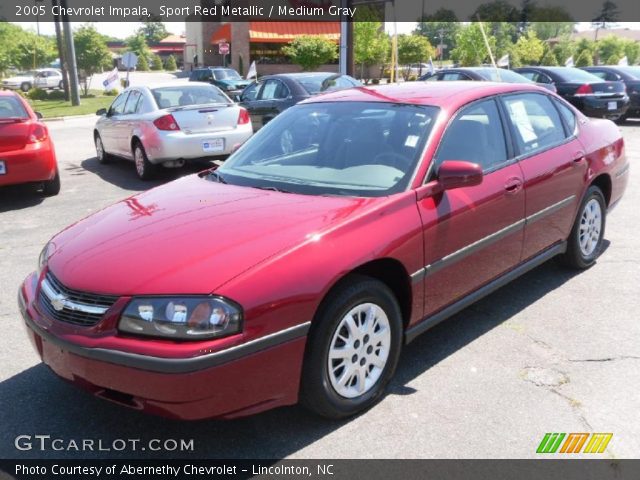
point(72, 306)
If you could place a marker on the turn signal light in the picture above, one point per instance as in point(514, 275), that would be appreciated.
point(243, 117)
point(38, 133)
point(166, 122)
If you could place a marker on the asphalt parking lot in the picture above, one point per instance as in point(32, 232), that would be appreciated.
point(555, 351)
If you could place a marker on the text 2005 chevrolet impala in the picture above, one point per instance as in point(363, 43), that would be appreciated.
point(347, 226)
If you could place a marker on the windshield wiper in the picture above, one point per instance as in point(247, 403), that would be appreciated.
point(219, 178)
point(273, 189)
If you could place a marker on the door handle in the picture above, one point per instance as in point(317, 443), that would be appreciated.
point(578, 157)
point(513, 185)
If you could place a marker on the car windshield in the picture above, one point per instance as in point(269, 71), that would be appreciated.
point(185, 95)
point(366, 149)
point(502, 75)
point(12, 108)
point(570, 74)
point(226, 74)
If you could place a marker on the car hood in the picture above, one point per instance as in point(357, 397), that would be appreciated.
point(24, 78)
point(189, 236)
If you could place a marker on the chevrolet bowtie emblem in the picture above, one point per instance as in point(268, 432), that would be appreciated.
point(58, 302)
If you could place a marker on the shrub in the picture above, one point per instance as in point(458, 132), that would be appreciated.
point(375, 81)
point(143, 64)
point(111, 93)
point(156, 63)
point(56, 95)
point(412, 78)
point(37, 94)
point(585, 59)
point(170, 64)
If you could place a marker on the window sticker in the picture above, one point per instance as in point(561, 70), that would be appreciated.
point(518, 113)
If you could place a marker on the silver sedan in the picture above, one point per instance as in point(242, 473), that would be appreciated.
point(169, 124)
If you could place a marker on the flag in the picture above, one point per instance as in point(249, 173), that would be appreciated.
point(112, 82)
point(624, 62)
point(252, 73)
point(569, 62)
point(431, 67)
point(503, 61)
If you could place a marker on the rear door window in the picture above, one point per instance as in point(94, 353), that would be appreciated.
point(274, 90)
point(535, 121)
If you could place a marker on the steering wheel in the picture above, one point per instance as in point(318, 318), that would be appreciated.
point(393, 159)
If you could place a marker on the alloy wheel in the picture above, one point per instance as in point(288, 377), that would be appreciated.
point(590, 227)
point(359, 350)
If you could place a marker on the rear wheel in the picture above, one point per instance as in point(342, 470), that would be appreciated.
point(101, 154)
point(25, 87)
point(52, 187)
point(587, 235)
point(145, 169)
point(353, 349)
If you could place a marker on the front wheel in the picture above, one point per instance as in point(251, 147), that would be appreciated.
point(25, 87)
point(145, 169)
point(101, 153)
point(353, 349)
point(587, 235)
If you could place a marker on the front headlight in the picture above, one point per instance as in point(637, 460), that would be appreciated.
point(181, 318)
point(44, 257)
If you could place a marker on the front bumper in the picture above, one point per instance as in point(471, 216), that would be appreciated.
point(33, 163)
point(165, 146)
point(235, 382)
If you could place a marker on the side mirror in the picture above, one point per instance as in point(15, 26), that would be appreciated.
point(102, 111)
point(458, 173)
point(38, 115)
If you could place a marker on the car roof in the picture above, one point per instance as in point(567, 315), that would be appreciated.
point(176, 83)
point(442, 94)
point(8, 93)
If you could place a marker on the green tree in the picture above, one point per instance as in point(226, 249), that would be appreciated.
point(470, 47)
point(611, 50)
point(370, 44)
point(413, 49)
point(609, 14)
point(156, 63)
point(631, 51)
point(585, 45)
point(23, 48)
point(138, 44)
point(585, 59)
point(143, 64)
point(441, 26)
point(153, 31)
point(549, 59)
point(529, 49)
point(310, 51)
point(92, 54)
point(564, 49)
point(547, 30)
point(170, 64)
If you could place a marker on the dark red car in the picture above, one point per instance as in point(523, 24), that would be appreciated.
point(26, 150)
point(347, 226)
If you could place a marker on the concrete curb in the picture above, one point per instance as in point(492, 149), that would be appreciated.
point(70, 117)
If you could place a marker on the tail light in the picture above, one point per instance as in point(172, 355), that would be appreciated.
point(166, 122)
point(37, 134)
point(243, 116)
point(584, 90)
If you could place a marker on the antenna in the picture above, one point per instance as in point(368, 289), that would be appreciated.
point(486, 42)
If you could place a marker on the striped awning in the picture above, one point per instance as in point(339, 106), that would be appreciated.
point(285, 32)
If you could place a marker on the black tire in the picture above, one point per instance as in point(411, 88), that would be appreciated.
point(316, 391)
point(101, 154)
point(25, 87)
point(575, 256)
point(52, 187)
point(144, 168)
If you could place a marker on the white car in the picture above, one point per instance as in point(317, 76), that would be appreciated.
point(41, 78)
point(170, 123)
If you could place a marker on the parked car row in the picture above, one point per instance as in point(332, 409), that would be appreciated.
point(611, 92)
point(299, 269)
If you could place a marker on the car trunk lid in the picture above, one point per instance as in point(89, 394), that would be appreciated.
point(206, 118)
point(14, 133)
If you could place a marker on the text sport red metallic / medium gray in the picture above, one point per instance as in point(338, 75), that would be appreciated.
point(347, 226)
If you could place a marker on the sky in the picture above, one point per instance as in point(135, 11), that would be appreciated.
point(124, 29)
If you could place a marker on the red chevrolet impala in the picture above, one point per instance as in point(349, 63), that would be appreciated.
point(347, 226)
point(26, 150)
